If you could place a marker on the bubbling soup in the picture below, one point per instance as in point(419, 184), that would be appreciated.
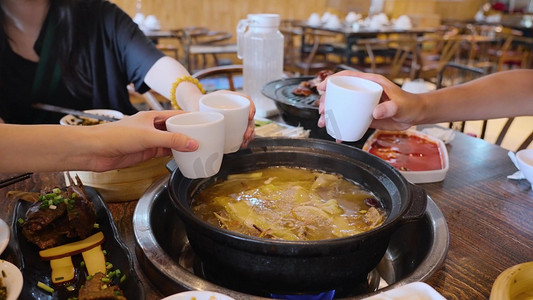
point(289, 204)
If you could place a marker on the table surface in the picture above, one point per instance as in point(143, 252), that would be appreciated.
point(490, 218)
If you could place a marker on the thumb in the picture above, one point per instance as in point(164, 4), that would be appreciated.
point(385, 110)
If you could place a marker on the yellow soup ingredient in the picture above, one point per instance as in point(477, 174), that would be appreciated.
point(289, 204)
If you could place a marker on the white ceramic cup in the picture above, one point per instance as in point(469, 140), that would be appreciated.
point(524, 158)
point(208, 129)
point(235, 109)
point(348, 106)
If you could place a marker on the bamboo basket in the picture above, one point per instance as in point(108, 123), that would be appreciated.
point(126, 184)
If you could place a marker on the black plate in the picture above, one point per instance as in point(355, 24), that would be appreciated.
point(34, 269)
point(281, 91)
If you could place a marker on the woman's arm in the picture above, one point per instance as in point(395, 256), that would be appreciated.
point(503, 94)
point(161, 78)
point(127, 142)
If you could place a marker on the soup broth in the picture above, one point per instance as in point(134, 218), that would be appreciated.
point(289, 204)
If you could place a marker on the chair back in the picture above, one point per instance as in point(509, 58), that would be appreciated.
point(228, 73)
point(455, 74)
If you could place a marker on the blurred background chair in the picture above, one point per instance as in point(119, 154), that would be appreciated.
point(394, 58)
point(317, 53)
point(496, 131)
point(434, 53)
point(454, 74)
point(228, 77)
point(202, 47)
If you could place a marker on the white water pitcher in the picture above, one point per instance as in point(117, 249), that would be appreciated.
point(260, 46)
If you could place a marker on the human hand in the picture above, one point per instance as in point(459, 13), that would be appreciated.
point(397, 110)
point(135, 139)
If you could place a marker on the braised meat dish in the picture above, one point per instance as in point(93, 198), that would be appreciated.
point(96, 289)
point(59, 215)
point(308, 87)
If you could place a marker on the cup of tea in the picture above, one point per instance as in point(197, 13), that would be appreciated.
point(349, 102)
point(235, 109)
point(208, 129)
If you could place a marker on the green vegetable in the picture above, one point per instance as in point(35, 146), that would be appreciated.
point(45, 287)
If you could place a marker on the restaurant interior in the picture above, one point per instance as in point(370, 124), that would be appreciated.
point(493, 36)
point(463, 230)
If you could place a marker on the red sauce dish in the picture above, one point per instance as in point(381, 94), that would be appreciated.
point(418, 156)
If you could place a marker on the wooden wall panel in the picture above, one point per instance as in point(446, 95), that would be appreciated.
point(220, 14)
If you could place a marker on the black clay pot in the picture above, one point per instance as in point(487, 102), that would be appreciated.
point(271, 266)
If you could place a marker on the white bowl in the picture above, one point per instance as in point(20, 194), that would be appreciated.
point(73, 120)
point(418, 176)
point(12, 280)
point(415, 290)
point(4, 235)
point(525, 162)
point(198, 295)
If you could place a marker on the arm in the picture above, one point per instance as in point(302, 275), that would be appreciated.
point(102, 147)
point(163, 74)
point(503, 94)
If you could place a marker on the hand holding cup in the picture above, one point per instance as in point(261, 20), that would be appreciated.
point(209, 130)
point(348, 105)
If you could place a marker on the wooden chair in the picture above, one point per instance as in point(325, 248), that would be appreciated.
point(454, 74)
point(199, 42)
point(228, 72)
point(442, 50)
point(314, 54)
point(505, 129)
point(394, 58)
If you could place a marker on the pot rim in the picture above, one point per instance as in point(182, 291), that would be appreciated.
point(292, 145)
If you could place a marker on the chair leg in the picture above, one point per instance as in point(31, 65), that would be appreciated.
point(505, 128)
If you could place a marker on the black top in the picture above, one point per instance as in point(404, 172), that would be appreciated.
point(117, 53)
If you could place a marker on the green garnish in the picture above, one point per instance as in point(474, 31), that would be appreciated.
point(45, 287)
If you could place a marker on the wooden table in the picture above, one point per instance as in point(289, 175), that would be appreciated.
point(351, 36)
point(490, 218)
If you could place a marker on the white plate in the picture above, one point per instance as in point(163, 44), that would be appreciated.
point(72, 120)
point(4, 235)
point(418, 176)
point(198, 295)
point(12, 280)
point(414, 290)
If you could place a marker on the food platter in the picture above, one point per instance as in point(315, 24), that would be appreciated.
point(76, 120)
point(11, 279)
point(34, 269)
point(4, 235)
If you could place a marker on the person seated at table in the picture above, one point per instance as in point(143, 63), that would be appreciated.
point(498, 95)
point(81, 55)
point(134, 139)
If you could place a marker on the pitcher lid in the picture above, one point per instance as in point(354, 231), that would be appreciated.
point(264, 20)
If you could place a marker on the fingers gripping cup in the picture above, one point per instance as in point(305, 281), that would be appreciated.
point(348, 106)
point(208, 129)
point(235, 109)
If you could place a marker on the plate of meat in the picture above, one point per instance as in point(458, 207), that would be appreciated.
point(68, 217)
point(299, 92)
point(297, 100)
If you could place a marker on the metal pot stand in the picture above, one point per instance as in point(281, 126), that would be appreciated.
point(416, 250)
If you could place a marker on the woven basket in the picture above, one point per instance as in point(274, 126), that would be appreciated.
point(124, 184)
